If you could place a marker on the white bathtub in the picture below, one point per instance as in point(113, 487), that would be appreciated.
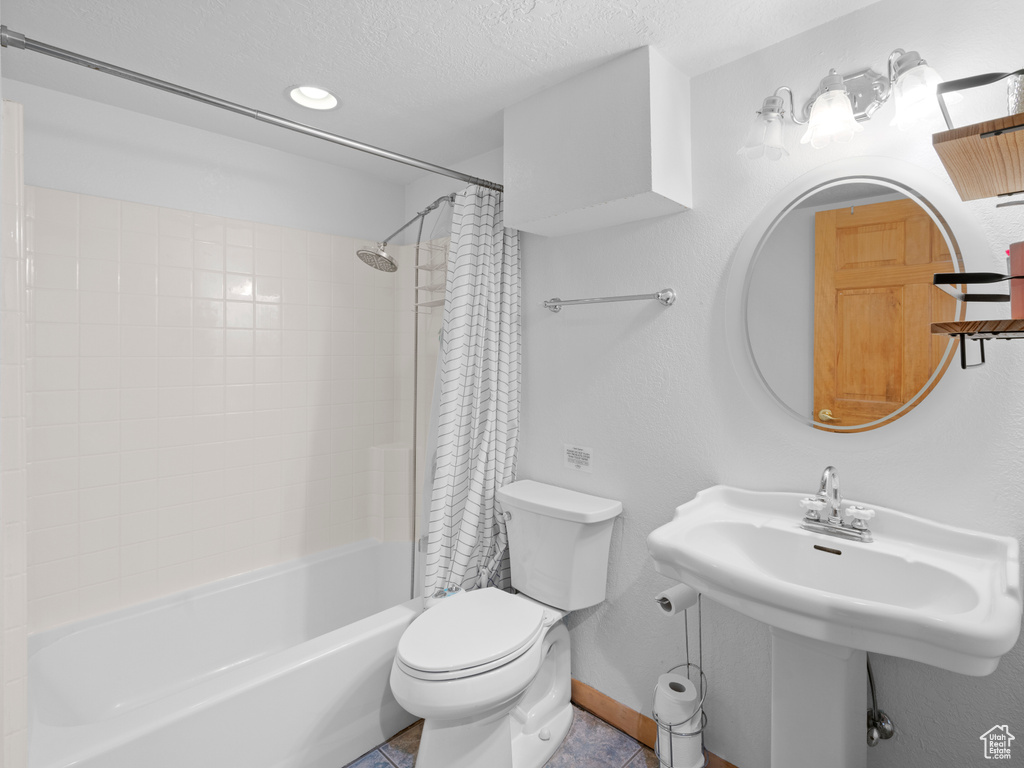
point(284, 667)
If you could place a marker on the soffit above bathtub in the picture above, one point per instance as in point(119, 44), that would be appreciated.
point(425, 79)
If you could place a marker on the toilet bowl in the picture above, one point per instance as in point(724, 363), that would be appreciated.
point(472, 668)
point(489, 671)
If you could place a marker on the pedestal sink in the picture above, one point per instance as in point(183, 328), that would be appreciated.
point(937, 594)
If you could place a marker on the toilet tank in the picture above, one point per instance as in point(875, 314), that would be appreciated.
point(558, 542)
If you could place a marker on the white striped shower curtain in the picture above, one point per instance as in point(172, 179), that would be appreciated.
point(478, 417)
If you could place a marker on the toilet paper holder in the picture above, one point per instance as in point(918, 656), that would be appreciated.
point(666, 758)
point(695, 673)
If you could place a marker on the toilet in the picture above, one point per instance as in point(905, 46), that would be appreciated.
point(487, 670)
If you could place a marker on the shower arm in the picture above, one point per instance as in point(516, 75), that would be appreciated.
point(417, 217)
point(10, 38)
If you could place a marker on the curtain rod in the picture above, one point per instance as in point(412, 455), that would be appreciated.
point(14, 39)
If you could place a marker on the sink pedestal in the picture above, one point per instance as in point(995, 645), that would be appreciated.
point(819, 695)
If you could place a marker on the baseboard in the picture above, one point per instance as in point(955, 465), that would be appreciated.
point(629, 721)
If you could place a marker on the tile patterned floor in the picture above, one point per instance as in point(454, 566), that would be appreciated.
point(591, 743)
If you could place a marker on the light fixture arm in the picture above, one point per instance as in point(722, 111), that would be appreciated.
point(893, 57)
point(792, 108)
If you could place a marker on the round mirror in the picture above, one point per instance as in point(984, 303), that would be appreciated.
point(838, 301)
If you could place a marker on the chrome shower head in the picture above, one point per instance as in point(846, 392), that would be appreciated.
point(378, 259)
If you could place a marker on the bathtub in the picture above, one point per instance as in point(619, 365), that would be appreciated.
point(284, 667)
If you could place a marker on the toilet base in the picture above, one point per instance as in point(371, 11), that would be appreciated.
point(529, 749)
point(446, 744)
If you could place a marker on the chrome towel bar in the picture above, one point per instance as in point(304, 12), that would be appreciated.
point(666, 296)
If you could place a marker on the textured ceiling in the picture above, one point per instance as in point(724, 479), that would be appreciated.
point(427, 78)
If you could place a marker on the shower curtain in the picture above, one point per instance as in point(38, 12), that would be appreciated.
point(478, 415)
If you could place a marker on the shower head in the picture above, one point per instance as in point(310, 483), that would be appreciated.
point(378, 259)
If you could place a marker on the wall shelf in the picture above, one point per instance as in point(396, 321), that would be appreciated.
point(979, 331)
point(985, 329)
point(984, 159)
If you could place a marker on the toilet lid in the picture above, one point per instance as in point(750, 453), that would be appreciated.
point(469, 630)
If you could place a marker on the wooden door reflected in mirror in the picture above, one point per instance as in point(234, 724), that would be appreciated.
point(873, 307)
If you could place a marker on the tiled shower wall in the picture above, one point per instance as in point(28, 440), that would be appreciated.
point(203, 397)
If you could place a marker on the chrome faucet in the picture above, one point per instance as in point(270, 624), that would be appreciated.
point(835, 524)
point(829, 491)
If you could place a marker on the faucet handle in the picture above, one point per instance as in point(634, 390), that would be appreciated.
point(813, 505)
point(860, 516)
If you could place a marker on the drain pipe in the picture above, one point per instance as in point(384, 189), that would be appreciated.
point(879, 725)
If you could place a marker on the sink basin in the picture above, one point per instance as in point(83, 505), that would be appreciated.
point(921, 590)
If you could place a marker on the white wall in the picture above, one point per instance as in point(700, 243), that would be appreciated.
point(83, 146)
point(653, 392)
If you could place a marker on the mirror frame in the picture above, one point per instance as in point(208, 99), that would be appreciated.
point(933, 194)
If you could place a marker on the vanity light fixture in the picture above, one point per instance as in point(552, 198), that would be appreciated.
point(842, 102)
point(312, 97)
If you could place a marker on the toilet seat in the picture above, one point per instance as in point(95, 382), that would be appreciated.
point(471, 633)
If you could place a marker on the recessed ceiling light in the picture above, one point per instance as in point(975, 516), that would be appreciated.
point(313, 97)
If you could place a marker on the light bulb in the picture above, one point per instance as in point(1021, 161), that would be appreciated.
point(831, 120)
point(312, 97)
point(765, 136)
point(914, 94)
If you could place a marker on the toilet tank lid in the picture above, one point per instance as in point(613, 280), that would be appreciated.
point(558, 502)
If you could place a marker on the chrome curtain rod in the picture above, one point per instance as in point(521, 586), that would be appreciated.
point(10, 38)
point(666, 296)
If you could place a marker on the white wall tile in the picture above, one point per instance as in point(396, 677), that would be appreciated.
point(203, 393)
point(102, 405)
point(99, 212)
point(54, 306)
point(174, 223)
point(134, 310)
point(53, 509)
point(138, 248)
point(138, 278)
point(139, 218)
point(51, 238)
point(98, 274)
point(174, 281)
point(54, 339)
point(54, 271)
point(239, 259)
point(209, 255)
point(208, 284)
point(208, 228)
point(55, 442)
point(99, 244)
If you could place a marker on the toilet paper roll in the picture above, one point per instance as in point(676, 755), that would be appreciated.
point(676, 599)
point(677, 704)
point(675, 698)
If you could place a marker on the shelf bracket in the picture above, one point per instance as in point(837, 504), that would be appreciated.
point(963, 352)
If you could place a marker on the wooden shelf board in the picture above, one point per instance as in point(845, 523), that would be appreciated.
point(984, 167)
point(1002, 329)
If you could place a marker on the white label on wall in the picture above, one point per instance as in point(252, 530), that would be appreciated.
point(577, 457)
